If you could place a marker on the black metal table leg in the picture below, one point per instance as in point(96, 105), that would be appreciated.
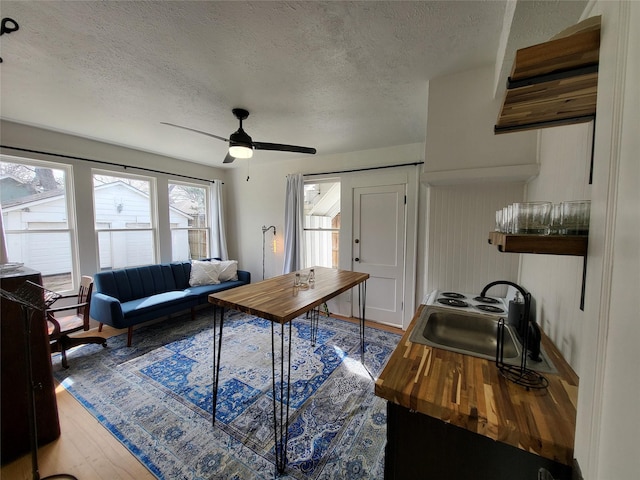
point(314, 315)
point(216, 357)
point(281, 414)
point(362, 302)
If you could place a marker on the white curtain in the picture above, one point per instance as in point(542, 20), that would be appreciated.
point(218, 231)
point(293, 224)
point(4, 257)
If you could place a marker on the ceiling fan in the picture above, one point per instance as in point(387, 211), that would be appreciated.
point(240, 143)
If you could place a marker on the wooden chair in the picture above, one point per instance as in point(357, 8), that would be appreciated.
point(60, 327)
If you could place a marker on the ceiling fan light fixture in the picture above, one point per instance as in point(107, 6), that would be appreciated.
point(240, 144)
point(240, 151)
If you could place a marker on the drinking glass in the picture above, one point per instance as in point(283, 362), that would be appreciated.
point(575, 217)
point(555, 223)
point(531, 217)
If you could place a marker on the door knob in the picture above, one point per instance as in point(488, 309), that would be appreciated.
point(356, 259)
point(357, 240)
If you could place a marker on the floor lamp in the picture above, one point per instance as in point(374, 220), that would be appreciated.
point(31, 299)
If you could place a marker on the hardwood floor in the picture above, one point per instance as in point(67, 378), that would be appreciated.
point(85, 448)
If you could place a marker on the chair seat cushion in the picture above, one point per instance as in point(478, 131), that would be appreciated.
point(68, 324)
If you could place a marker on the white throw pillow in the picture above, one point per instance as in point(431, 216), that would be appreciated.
point(204, 273)
point(228, 269)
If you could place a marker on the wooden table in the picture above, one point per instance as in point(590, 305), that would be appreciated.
point(277, 299)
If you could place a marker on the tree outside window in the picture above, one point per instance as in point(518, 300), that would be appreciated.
point(38, 219)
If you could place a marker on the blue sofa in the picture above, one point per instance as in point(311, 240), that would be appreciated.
point(127, 297)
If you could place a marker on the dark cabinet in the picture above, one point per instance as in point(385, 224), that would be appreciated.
point(423, 447)
point(14, 414)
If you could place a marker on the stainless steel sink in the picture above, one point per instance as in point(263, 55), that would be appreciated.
point(469, 334)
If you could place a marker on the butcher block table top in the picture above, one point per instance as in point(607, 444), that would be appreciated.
point(470, 392)
point(276, 299)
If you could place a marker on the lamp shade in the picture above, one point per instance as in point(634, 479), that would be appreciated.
point(240, 144)
point(240, 151)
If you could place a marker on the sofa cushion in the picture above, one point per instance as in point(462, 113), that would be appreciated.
point(181, 273)
point(228, 269)
point(135, 282)
point(154, 303)
point(204, 273)
point(203, 291)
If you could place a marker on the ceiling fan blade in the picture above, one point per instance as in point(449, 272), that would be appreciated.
point(228, 158)
point(283, 148)
point(197, 131)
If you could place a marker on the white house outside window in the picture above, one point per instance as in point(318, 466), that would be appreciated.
point(38, 219)
point(322, 223)
point(125, 220)
point(189, 214)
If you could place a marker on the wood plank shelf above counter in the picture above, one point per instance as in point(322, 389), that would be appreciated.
point(575, 245)
point(553, 83)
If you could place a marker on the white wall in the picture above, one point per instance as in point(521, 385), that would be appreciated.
point(460, 219)
point(471, 172)
point(555, 281)
point(601, 341)
point(461, 116)
point(608, 418)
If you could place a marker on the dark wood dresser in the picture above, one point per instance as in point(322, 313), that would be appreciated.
point(14, 404)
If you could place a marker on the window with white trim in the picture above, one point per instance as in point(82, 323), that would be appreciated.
point(38, 219)
point(125, 220)
point(189, 220)
point(322, 223)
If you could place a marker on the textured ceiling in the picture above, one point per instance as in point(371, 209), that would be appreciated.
point(337, 76)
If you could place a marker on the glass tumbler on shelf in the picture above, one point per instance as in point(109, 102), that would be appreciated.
point(555, 222)
point(575, 217)
point(506, 219)
point(531, 218)
point(499, 226)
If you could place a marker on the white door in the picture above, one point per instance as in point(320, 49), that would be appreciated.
point(379, 249)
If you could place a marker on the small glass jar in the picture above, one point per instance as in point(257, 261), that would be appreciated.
point(296, 280)
point(312, 276)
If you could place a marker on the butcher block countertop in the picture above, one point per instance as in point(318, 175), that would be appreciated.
point(471, 393)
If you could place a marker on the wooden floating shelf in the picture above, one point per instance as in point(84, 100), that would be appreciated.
point(543, 244)
point(553, 83)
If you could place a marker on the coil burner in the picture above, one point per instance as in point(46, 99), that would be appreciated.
point(453, 295)
point(453, 302)
point(486, 300)
point(490, 308)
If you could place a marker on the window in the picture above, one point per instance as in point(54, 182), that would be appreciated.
point(37, 214)
point(124, 220)
point(188, 216)
point(322, 223)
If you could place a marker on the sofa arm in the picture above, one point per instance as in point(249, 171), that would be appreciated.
point(107, 310)
point(244, 276)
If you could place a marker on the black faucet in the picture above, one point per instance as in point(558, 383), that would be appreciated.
point(525, 295)
point(527, 308)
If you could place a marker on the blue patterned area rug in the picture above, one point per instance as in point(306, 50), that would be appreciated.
point(156, 398)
